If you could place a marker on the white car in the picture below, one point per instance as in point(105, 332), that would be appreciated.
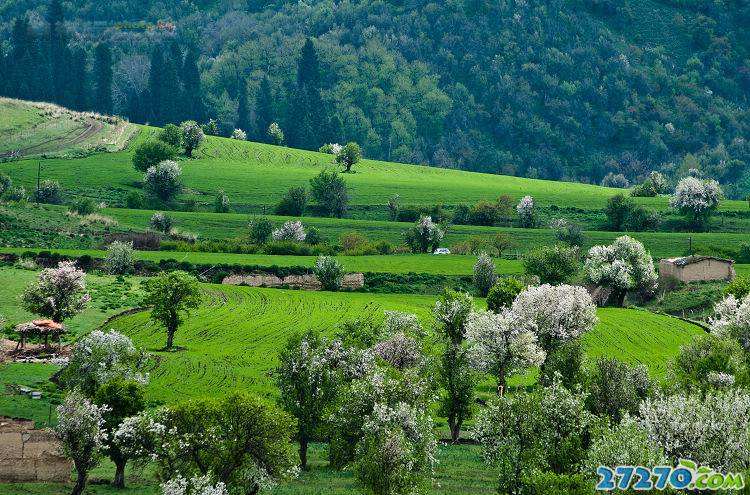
point(442, 251)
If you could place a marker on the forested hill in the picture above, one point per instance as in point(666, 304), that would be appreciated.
point(556, 89)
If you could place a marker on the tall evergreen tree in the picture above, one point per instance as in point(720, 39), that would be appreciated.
point(155, 86)
point(243, 112)
point(19, 76)
point(191, 81)
point(176, 93)
point(58, 58)
point(171, 91)
point(79, 80)
point(103, 77)
point(307, 121)
point(264, 110)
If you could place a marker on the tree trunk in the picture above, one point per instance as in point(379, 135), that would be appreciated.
point(455, 427)
point(170, 339)
point(119, 474)
point(502, 382)
point(80, 481)
point(619, 297)
point(303, 453)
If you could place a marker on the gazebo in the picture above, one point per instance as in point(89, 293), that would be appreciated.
point(39, 328)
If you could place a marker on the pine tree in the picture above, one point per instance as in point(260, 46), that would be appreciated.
point(79, 80)
point(176, 93)
point(18, 83)
point(243, 112)
point(171, 93)
point(155, 86)
point(191, 81)
point(264, 114)
point(307, 120)
point(103, 77)
point(58, 58)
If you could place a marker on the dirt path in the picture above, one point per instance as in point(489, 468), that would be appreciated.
point(93, 127)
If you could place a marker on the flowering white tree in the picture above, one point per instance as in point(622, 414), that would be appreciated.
point(239, 135)
point(732, 320)
point(292, 230)
point(192, 136)
point(80, 428)
point(696, 198)
point(58, 293)
point(526, 212)
point(555, 313)
point(308, 381)
point(711, 429)
point(400, 351)
point(424, 236)
point(499, 344)
point(484, 274)
point(163, 179)
point(397, 454)
point(624, 266)
point(330, 273)
point(119, 257)
point(197, 485)
point(161, 222)
point(275, 134)
point(102, 356)
point(398, 322)
point(624, 444)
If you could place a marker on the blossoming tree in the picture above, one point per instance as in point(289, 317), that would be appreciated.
point(484, 274)
point(696, 199)
point(623, 266)
point(732, 320)
point(424, 236)
point(526, 212)
point(292, 230)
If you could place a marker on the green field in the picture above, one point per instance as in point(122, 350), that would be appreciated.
point(232, 341)
point(44, 130)
point(256, 175)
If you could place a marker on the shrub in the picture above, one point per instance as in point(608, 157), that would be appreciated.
point(706, 357)
point(739, 288)
point(49, 192)
point(623, 266)
point(260, 230)
point(549, 483)
point(163, 180)
point(210, 128)
point(526, 212)
point(293, 203)
point(696, 199)
point(616, 389)
point(352, 240)
point(330, 193)
point(615, 180)
point(567, 232)
point(134, 200)
point(329, 272)
point(83, 206)
point(151, 153)
point(119, 258)
point(424, 236)
point(503, 293)
point(17, 194)
point(161, 222)
point(617, 210)
point(313, 236)
point(330, 148)
point(462, 215)
point(290, 231)
point(501, 242)
point(565, 364)
point(394, 207)
point(5, 184)
point(171, 135)
point(552, 264)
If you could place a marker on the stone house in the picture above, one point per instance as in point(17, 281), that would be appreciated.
point(697, 268)
point(29, 454)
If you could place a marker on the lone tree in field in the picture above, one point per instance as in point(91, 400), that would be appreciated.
point(451, 314)
point(307, 384)
point(192, 136)
point(348, 156)
point(151, 153)
point(526, 212)
point(696, 199)
point(171, 295)
point(424, 236)
point(623, 266)
point(163, 180)
point(80, 428)
point(329, 192)
point(58, 293)
point(500, 344)
point(484, 274)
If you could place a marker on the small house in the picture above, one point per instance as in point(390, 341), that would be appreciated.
point(697, 268)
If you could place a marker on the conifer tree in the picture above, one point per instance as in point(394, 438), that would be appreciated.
point(79, 83)
point(243, 112)
point(264, 114)
point(155, 86)
point(103, 77)
point(191, 81)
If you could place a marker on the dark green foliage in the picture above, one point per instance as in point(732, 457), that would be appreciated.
point(293, 203)
point(5, 183)
point(549, 483)
point(260, 230)
point(705, 355)
point(313, 236)
point(264, 110)
point(134, 200)
point(503, 293)
point(243, 112)
point(50, 192)
point(739, 287)
point(349, 156)
point(565, 362)
point(616, 388)
point(617, 210)
point(328, 190)
point(83, 206)
point(171, 135)
point(103, 76)
point(151, 153)
point(171, 296)
point(552, 264)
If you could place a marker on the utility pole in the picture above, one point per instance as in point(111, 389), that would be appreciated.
point(690, 248)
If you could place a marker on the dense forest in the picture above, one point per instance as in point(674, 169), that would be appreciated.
point(556, 89)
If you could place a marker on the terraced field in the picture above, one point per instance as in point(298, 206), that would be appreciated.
point(231, 342)
point(255, 174)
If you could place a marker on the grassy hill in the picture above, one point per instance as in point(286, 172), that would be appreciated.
point(255, 175)
point(31, 130)
point(233, 339)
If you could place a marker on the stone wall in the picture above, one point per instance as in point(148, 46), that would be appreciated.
point(306, 282)
point(703, 270)
point(28, 454)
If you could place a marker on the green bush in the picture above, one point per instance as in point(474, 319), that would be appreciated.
point(503, 293)
point(549, 483)
point(83, 206)
point(739, 287)
point(171, 135)
point(151, 153)
point(552, 264)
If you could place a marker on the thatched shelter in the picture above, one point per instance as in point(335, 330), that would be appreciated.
point(39, 328)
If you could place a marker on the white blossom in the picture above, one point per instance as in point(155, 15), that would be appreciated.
point(239, 135)
point(197, 485)
point(400, 351)
point(80, 428)
point(58, 293)
point(711, 430)
point(525, 209)
point(625, 265)
point(719, 379)
point(732, 320)
point(695, 195)
point(292, 230)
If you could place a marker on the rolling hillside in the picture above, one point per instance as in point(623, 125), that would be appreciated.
point(233, 339)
